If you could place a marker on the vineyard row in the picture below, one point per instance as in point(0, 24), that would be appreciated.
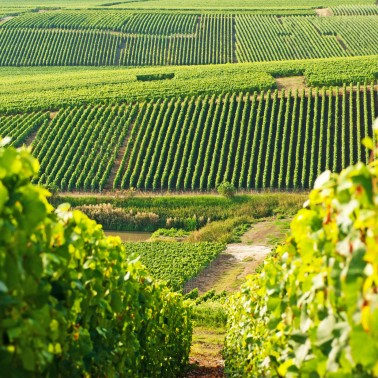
point(162, 39)
point(261, 140)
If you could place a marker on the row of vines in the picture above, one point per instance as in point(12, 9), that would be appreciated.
point(254, 140)
point(80, 38)
point(20, 127)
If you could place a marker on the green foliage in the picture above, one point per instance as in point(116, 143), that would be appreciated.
point(72, 302)
point(210, 309)
point(226, 189)
point(224, 231)
point(169, 234)
point(175, 263)
point(80, 147)
point(110, 84)
point(97, 38)
point(165, 76)
point(149, 213)
point(313, 308)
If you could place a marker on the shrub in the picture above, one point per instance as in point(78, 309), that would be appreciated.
point(71, 302)
point(226, 189)
point(313, 309)
point(152, 77)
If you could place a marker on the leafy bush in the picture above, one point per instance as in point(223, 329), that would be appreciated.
point(166, 234)
point(225, 231)
point(152, 77)
point(226, 189)
point(313, 309)
point(71, 302)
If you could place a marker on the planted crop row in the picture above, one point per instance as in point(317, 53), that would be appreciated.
point(208, 41)
point(73, 19)
point(355, 10)
point(44, 47)
point(78, 149)
point(21, 126)
point(264, 140)
point(147, 39)
point(271, 140)
point(175, 262)
point(262, 37)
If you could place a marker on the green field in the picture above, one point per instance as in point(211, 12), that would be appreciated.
point(180, 4)
point(206, 122)
point(99, 38)
point(55, 87)
point(174, 262)
point(278, 140)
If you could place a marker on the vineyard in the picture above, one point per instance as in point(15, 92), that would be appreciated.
point(22, 126)
point(55, 87)
point(274, 139)
point(206, 123)
point(95, 38)
point(182, 5)
point(173, 262)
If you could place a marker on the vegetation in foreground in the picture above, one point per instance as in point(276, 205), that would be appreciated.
point(313, 309)
point(72, 302)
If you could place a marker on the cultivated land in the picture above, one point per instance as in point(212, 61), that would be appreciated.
point(95, 38)
point(138, 110)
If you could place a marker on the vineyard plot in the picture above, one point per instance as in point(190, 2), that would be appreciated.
point(20, 127)
point(97, 38)
point(175, 263)
point(78, 148)
point(256, 141)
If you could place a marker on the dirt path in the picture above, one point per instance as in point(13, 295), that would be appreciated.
point(206, 359)
point(229, 270)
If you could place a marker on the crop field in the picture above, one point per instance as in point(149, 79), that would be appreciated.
point(22, 126)
point(355, 10)
point(175, 262)
point(24, 5)
point(98, 38)
point(254, 140)
point(198, 126)
point(51, 88)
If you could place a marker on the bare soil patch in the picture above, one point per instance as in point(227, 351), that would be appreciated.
point(293, 83)
point(5, 19)
point(229, 270)
point(206, 354)
point(53, 115)
point(324, 12)
point(263, 233)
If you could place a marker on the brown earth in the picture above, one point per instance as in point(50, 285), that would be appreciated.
point(324, 12)
point(293, 83)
